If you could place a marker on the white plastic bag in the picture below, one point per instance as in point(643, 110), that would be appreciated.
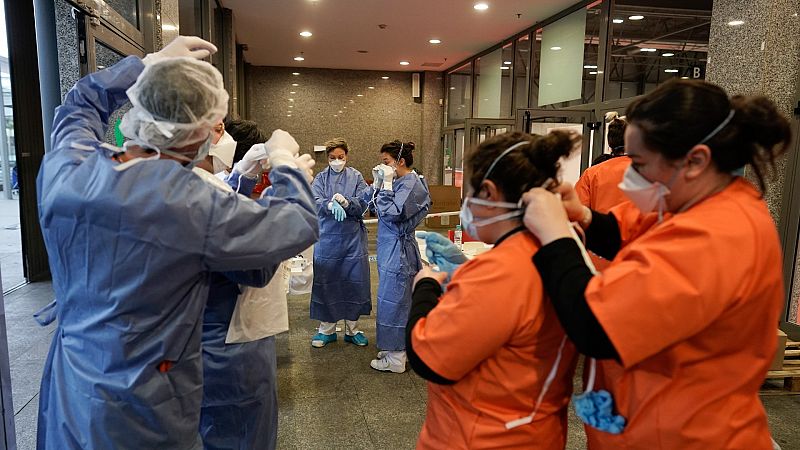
point(261, 312)
point(302, 272)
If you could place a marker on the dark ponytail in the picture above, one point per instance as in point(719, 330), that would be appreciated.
point(523, 168)
point(681, 113)
point(400, 150)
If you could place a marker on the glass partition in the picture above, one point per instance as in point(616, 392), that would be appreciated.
point(652, 45)
point(522, 71)
point(459, 94)
point(493, 84)
point(128, 9)
point(566, 59)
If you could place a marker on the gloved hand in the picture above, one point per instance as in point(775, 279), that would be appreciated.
point(340, 199)
point(191, 46)
point(250, 169)
point(388, 176)
point(441, 252)
point(377, 176)
point(281, 149)
point(338, 212)
point(305, 163)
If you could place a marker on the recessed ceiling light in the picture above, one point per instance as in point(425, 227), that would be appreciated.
point(384, 78)
point(481, 6)
point(671, 70)
point(435, 41)
point(555, 48)
point(589, 67)
point(508, 63)
point(636, 17)
point(684, 78)
point(168, 27)
point(404, 63)
point(618, 20)
point(370, 87)
point(505, 68)
point(299, 58)
point(306, 34)
point(359, 95)
point(736, 23)
point(592, 73)
point(295, 73)
point(667, 55)
point(648, 50)
point(295, 84)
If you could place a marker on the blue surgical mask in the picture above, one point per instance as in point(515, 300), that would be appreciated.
point(596, 408)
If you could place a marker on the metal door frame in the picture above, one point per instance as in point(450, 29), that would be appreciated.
point(789, 227)
point(473, 125)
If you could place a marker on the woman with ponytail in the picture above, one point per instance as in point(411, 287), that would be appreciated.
point(682, 323)
point(498, 363)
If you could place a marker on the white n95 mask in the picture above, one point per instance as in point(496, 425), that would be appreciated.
point(337, 165)
point(646, 195)
point(223, 152)
point(470, 225)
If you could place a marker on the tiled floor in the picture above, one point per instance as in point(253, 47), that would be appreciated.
point(329, 398)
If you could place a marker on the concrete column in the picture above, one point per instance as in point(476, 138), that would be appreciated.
point(430, 148)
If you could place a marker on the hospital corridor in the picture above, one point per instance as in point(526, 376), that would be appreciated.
point(351, 224)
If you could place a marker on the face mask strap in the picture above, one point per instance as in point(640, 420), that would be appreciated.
point(496, 160)
point(719, 127)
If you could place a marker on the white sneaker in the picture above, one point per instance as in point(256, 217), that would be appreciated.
point(384, 365)
point(382, 354)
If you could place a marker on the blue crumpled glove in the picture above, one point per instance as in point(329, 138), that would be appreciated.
point(338, 212)
point(441, 252)
point(595, 408)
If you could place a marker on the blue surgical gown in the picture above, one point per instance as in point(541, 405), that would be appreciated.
point(341, 262)
point(399, 212)
point(240, 396)
point(131, 247)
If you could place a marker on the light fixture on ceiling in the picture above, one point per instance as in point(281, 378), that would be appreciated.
point(671, 70)
point(735, 23)
point(370, 87)
point(648, 50)
point(667, 55)
point(589, 66)
point(555, 49)
point(288, 115)
point(299, 58)
point(637, 17)
point(435, 41)
point(306, 33)
point(684, 78)
point(404, 63)
point(168, 27)
point(618, 20)
point(295, 84)
point(291, 99)
point(505, 68)
point(295, 73)
point(384, 78)
point(452, 88)
point(592, 73)
point(508, 63)
point(481, 6)
point(293, 92)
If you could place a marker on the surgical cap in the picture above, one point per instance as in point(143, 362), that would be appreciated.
point(176, 102)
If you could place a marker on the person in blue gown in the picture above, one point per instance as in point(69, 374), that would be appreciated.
point(341, 289)
point(240, 402)
point(132, 238)
point(401, 201)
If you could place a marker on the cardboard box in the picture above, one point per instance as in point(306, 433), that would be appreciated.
point(444, 199)
point(777, 361)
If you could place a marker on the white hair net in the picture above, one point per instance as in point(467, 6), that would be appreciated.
point(176, 102)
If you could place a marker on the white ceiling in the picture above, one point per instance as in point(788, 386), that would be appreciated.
point(271, 28)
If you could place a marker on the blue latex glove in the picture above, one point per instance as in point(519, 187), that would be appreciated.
point(441, 252)
point(338, 212)
point(595, 408)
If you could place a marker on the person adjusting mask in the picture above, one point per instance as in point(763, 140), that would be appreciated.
point(522, 361)
point(401, 204)
point(341, 289)
point(132, 238)
point(695, 256)
point(222, 151)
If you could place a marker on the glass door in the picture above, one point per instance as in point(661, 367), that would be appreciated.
point(790, 231)
point(543, 121)
point(477, 131)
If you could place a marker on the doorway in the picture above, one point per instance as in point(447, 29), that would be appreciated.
point(543, 121)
